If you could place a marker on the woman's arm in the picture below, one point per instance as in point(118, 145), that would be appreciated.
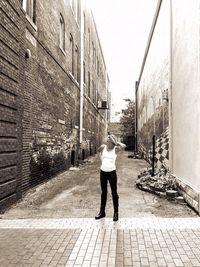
point(100, 149)
point(120, 146)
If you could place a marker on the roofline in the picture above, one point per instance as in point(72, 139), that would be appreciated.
point(98, 38)
point(155, 18)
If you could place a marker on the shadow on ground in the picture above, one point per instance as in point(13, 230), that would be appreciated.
point(77, 194)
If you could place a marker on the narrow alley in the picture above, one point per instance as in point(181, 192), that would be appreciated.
point(54, 225)
point(76, 193)
point(76, 74)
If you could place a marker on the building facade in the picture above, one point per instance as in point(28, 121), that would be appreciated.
point(10, 105)
point(47, 122)
point(96, 84)
point(152, 109)
point(170, 75)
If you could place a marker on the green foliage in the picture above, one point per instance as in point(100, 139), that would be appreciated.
point(128, 120)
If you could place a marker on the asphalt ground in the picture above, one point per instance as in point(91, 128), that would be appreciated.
point(54, 225)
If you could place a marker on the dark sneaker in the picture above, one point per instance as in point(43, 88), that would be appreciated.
point(101, 214)
point(115, 216)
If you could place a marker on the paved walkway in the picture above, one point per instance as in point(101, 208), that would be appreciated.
point(147, 241)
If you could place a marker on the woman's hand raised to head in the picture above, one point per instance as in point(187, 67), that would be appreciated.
point(100, 149)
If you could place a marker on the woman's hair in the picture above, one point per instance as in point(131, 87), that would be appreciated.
point(113, 139)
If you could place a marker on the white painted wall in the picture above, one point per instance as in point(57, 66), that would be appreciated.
point(155, 76)
point(185, 95)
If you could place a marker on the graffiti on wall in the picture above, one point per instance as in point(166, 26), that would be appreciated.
point(153, 109)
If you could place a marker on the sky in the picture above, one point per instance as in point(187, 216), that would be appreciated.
point(123, 27)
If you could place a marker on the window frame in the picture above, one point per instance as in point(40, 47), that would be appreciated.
point(77, 62)
point(72, 54)
point(84, 73)
point(29, 7)
point(89, 85)
point(89, 35)
point(62, 33)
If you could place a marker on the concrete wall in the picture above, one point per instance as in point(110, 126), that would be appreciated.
point(185, 94)
point(152, 110)
point(179, 72)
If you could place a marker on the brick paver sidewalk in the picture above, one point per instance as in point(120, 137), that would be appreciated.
point(86, 242)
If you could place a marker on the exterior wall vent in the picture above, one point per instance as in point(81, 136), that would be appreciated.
point(102, 105)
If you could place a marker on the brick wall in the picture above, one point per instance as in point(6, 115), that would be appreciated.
point(40, 96)
point(10, 102)
point(95, 88)
point(51, 94)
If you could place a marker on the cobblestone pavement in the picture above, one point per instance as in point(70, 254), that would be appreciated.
point(147, 241)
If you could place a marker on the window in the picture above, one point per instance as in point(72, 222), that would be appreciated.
point(88, 41)
point(88, 83)
point(97, 66)
point(92, 93)
point(29, 7)
point(72, 54)
point(93, 55)
point(93, 52)
point(98, 96)
point(62, 33)
point(95, 94)
point(95, 58)
point(77, 63)
point(84, 21)
point(84, 72)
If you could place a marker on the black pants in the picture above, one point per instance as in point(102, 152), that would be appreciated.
point(112, 178)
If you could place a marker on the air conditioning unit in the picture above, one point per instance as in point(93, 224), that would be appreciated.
point(102, 105)
point(165, 95)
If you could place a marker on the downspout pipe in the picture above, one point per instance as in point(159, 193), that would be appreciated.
point(170, 90)
point(136, 118)
point(107, 98)
point(81, 76)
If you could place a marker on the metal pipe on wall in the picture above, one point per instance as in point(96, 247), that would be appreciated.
point(136, 118)
point(81, 75)
point(153, 155)
point(170, 90)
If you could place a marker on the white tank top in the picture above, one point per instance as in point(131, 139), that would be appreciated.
point(108, 159)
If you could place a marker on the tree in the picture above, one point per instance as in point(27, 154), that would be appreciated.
point(128, 123)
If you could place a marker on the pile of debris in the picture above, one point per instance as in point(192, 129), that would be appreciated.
point(162, 183)
point(135, 155)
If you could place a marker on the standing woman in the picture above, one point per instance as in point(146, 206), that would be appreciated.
point(108, 173)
